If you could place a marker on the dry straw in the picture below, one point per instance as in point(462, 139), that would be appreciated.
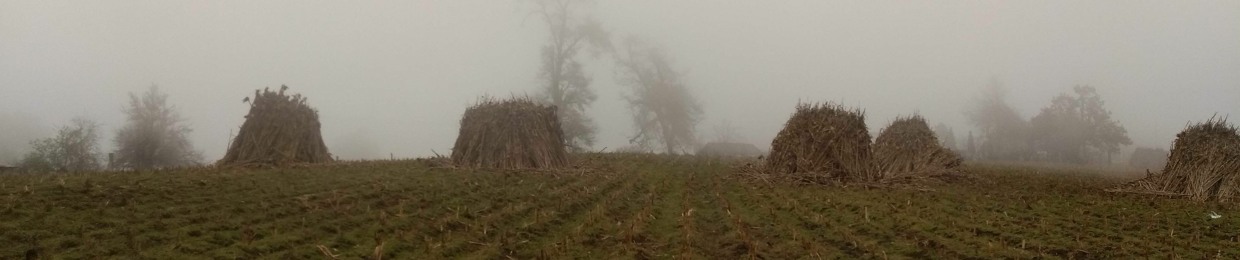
point(824, 138)
point(280, 129)
point(1204, 165)
point(908, 146)
point(517, 133)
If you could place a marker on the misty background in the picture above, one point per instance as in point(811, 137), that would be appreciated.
point(392, 78)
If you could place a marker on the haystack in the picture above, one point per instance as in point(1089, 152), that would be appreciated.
point(826, 139)
point(517, 133)
point(280, 129)
point(1204, 165)
point(908, 146)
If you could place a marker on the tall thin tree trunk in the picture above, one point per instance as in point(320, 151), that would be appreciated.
point(669, 140)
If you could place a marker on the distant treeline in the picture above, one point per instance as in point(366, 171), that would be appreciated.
point(1074, 128)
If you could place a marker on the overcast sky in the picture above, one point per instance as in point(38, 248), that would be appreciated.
point(393, 77)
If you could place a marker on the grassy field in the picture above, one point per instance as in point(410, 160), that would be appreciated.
point(623, 206)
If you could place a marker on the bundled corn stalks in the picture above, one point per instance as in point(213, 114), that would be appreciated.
point(1204, 165)
point(279, 130)
point(510, 134)
point(908, 146)
point(825, 139)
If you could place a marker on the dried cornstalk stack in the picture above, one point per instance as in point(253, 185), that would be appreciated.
point(1204, 162)
point(908, 146)
point(825, 139)
point(517, 133)
point(1204, 165)
point(279, 129)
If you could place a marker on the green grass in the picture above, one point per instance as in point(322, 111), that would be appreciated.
point(627, 206)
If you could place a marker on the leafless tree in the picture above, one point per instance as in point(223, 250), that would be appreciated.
point(565, 83)
point(946, 136)
point(74, 148)
point(154, 135)
point(663, 110)
point(726, 132)
point(1004, 133)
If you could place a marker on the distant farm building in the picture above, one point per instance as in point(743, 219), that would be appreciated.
point(727, 149)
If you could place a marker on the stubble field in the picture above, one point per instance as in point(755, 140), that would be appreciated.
point(616, 206)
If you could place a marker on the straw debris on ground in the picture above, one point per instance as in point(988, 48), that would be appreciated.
point(516, 133)
point(280, 129)
point(1204, 165)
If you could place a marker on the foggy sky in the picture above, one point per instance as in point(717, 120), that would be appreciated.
point(393, 77)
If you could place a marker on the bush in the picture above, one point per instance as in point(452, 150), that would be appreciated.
point(74, 148)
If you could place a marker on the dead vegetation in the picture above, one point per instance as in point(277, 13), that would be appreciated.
point(909, 147)
point(279, 130)
point(824, 138)
point(517, 133)
point(830, 144)
point(1204, 165)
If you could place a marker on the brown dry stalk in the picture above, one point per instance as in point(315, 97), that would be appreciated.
point(327, 252)
point(279, 129)
point(516, 133)
point(823, 138)
point(908, 146)
point(1204, 164)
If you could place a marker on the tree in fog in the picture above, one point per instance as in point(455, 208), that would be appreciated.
point(1004, 133)
point(664, 112)
point(154, 135)
point(725, 132)
point(74, 148)
point(971, 147)
point(1078, 128)
point(1059, 132)
point(946, 136)
point(565, 83)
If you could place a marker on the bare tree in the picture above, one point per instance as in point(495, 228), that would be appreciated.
point(565, 84)
point(154, 135)
point(663, 109)
point(946, 136)
point(74, 148)
point(971, 149)
point(1004, 133)
point(726, 132)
